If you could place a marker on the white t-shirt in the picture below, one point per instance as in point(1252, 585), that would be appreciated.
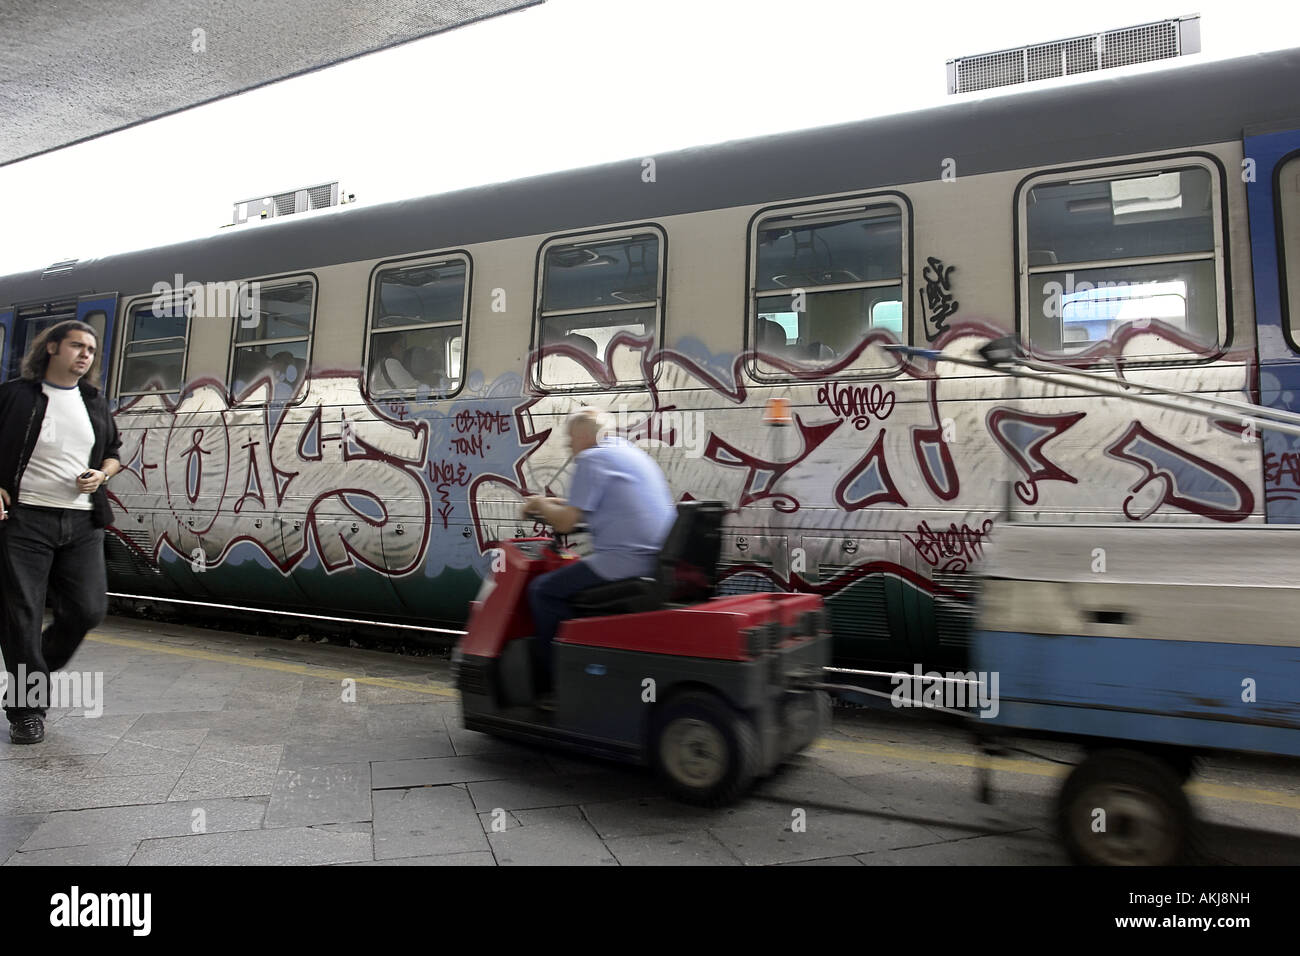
point(62, 452)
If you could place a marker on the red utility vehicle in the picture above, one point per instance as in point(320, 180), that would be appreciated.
point(711, 691)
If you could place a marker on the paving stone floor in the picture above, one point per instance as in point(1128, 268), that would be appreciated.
point(218, 748)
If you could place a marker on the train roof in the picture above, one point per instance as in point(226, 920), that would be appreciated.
point(1167, 109)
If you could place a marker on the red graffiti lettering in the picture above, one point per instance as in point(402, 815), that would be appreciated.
point(473, 445)
point(1282, 471)
point(479, 422)
point(449, 473)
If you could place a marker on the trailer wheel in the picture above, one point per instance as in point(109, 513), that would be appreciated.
point(1123, 808)
point(705, 751)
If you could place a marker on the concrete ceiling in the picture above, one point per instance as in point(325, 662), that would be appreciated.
point(71, 70)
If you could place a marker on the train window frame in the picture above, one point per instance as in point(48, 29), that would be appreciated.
point(422, 260)
point(818, 211)
point(1286, 218)
point(603, 236)
point(267, 284)
point(4, 339)
point(120, 353)
point(1110, 171)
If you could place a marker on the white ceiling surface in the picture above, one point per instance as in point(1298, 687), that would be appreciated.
point(75, 69)
point(560, 85)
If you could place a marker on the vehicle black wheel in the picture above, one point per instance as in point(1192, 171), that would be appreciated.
point(805, 716)
point(1184, 763)
point(1146, 816)
point(706, 752)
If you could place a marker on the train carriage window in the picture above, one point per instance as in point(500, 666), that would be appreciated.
point(593, 290)
point(1124, 253)
point(3, 364)
point(417, 329)
point(154, 346)
point(1288, 211)
point(824, 280)
point(272, 343)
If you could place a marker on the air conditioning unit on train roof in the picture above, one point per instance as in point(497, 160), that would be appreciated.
point(1105, 50)
point(287, 203)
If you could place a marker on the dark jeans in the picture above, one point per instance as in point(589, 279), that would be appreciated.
point(549, 596)
point(61, 550)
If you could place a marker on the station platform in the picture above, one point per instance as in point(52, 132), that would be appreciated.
point(216, 748)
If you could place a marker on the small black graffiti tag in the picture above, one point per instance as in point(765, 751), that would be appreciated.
point(936, 298)
point(860, 404)
point(954, 548)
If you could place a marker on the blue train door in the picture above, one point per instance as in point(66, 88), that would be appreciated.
point(1272, 171)
point(29, 322)
point(100, 312)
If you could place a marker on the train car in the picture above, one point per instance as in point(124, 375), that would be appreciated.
point(338, 413)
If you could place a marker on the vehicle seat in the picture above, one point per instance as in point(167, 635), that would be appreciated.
point(419, 360)
point(583, 343)
point(771, 337)
point(687, 568)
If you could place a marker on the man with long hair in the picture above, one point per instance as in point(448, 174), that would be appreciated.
point(58, 446)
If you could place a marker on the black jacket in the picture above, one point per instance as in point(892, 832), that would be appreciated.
point(22, 410)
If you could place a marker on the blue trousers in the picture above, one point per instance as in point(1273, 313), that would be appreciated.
point(57, 551)
point(548, 595)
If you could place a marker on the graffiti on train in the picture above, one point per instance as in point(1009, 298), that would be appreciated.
point(860, 404)
point(1282, 475)
point(864, 455)
point(333, 471)
point(952, 548)
point(920, 459)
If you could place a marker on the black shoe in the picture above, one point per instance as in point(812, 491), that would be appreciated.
point(27, 730)
point(546, 701)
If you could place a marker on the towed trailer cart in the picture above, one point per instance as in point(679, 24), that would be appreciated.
point(1184, 644)
point(1148, 646)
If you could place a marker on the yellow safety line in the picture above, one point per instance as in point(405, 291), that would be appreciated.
point(1011, 765)
point(1221, 791)
point(284, 667)
point(1273, 798)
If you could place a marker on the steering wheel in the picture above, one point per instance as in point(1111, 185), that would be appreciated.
point(557, 542)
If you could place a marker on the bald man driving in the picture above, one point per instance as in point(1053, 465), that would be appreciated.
point(622, 496)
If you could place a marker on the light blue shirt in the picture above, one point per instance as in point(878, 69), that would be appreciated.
point(626, 503)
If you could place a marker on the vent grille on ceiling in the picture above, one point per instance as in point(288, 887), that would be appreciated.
point(288, 203)
point(1085, 54)
point(318, 197)
point(59, 268)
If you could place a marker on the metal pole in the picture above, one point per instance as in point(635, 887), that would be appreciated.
point(1255, 410)
point(1259, 416)
point(776, 414)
